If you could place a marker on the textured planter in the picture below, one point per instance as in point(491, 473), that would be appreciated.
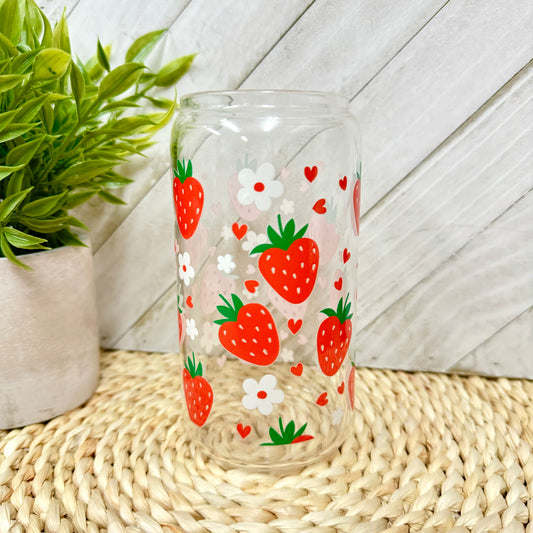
point(49, 349)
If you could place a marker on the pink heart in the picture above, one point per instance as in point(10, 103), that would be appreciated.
point(322, 281)
point(302, 339)
point(250, 269)
point(221, 361)
point(285, 173)
point(304, 186)
point(283, 334)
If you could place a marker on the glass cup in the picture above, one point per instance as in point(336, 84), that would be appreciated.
point(266, 188)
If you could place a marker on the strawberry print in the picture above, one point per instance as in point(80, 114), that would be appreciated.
point(188, 199)
point(248, 331)
point(198, 392)
point(357, 202)
point(287, 434)
point(289, 262)
point(333, 338)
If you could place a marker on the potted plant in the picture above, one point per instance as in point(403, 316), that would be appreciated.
point(65, 125)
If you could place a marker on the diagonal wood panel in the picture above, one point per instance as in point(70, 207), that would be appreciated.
point(474, 294)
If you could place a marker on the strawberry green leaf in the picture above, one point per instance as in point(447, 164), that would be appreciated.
point(300, 431)
point(289, 431)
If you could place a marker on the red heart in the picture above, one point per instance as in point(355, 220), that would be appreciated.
point(188, 301)
point(343, 182)
point(244, 431)
point(322, 399)
point(320, 206)
point(311, 173)
point(251, 285)
point(295, 326)
point(298, 369)
point(239, 231)
point(338, 284)
point(340, 388)
point(346, 255)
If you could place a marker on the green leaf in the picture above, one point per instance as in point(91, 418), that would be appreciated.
point(5, 171)
point(45, 225)
point(119, 80)
point(60, 37)
point(50, 64)
point(77, 198)
point(162, 103)
point(289, 431)
point(173, 71)
point(15, 183)
point(34, 23)
point(43, 206)
point(77, 83)
point(14, 130)
point(29, 109)
point(11, 19)
point(8, 252)
point(6, 118)
point(22, 64)
point(110, 198)
point(119, 104)
point(68, 238)
point(275, 437)
point(7, 45)
point(83, 171)
point(48, 116)
point(22, 154)
point(142, 46)
point(130, 125)
point(9, 81)
point(10, 203)
point(19, 239)
point(300, 431)
point(102, 56)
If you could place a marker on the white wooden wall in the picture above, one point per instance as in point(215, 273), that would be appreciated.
point(443, 93)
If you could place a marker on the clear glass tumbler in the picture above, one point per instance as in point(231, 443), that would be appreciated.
point(266, 188)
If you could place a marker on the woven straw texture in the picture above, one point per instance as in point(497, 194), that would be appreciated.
point(427, 453)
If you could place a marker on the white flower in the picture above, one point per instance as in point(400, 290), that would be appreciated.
point(185, 270)
point(336, 417)
point(227, 233)
point(259, 187)
point(286, 355)
point(225, 263)
point(261, 395)
point(190, 327)
point(252, 240)
point(209, 337)
point(287, 206)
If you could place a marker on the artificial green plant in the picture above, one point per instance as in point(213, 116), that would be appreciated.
point(66, 124)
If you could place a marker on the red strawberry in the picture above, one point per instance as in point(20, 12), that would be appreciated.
point(333, 338)
point(198, 392)
point(248, 331)
point(188, 199)
point(289, 262)
point(286, 435)
point(351, 386)
point(357, 201)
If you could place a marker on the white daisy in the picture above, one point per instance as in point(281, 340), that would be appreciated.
point(190, 327)
point(227, 233)
point(259, 187)
point(226, 263)
point(286, 355)
point(185, 270)
point(252, 240)
point(261, 395)
point(287, 206)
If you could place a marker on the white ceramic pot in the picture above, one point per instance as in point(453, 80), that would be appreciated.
point(49, 349)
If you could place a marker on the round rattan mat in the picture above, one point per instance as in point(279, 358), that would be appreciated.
point(427, 453)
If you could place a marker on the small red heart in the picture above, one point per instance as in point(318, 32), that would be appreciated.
point(346, 255)
point(320, 206)
point(298, 369)
point(311, 173)
point(338, 284)
point(322, 399)
point(244, 431)
point(188, 301)
point(239, 231)
point(340, 388)
point(251, 285)
point(295, 325)
point(343, 182)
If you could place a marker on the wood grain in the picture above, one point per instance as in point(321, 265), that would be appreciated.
point(473, 294)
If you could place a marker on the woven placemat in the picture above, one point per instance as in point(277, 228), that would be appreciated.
point(427, 453)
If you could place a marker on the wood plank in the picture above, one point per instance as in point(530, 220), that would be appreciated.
point(340, 45)
point(474, 294)
point(440, 78)
point(507, 353)
point(387, 29)
point(207, 26)
point(474, 176)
